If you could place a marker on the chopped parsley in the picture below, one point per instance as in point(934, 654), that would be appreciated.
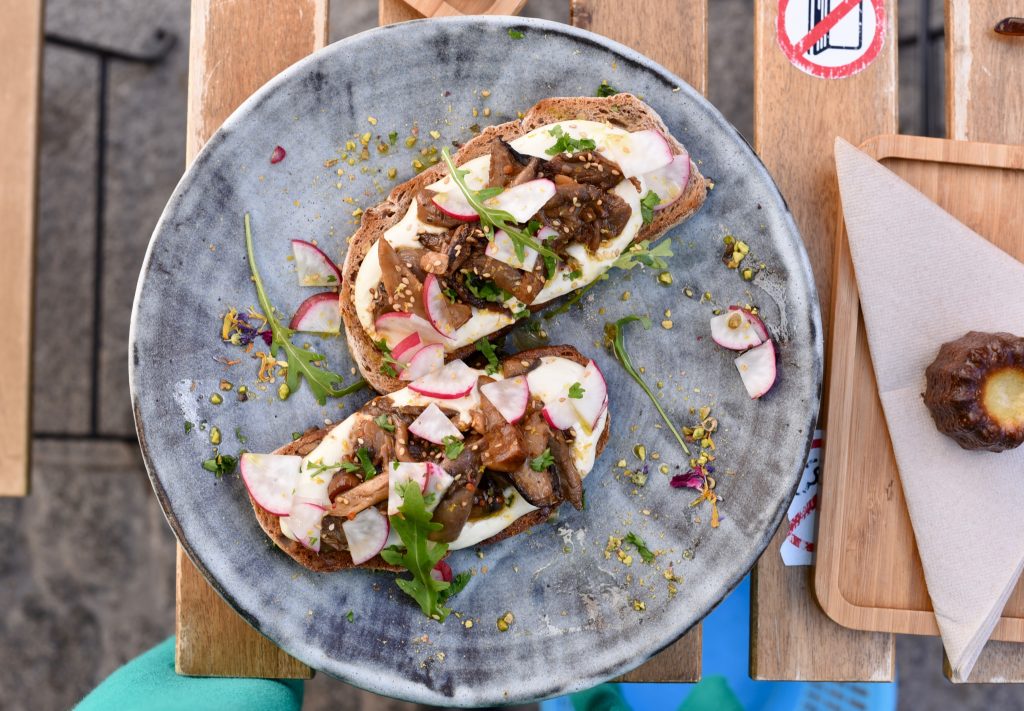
point(456, 585)
point(450, 294)
point(369, 471)
point(351, 467)
point(296, 435)
point(641, 546)
point(453, 447)
point(647, 205)
point(576, 391)
point(388, 361)
point(573, 275)
point(242, 439)
point(606, 89)
point(384, 422)
point(515, 34)
point(564, 143)
point(221, 464)
point(484, 289)
point(493, 365)
point(392, 139)
point(350, 616)
point(543, 462)
point(524, 313)
point(188, 426)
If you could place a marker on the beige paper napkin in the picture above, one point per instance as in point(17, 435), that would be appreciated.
point(924, 279)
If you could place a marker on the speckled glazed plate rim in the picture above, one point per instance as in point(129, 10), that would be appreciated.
point(381, 685)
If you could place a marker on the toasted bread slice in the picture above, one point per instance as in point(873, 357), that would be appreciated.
point(623, 110)
point(331, 560)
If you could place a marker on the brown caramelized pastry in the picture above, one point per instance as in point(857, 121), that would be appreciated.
point(975, 391)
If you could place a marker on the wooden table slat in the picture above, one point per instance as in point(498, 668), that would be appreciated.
point(21, 41)
point(234, 49)
point(985, 102)
point(791, 638)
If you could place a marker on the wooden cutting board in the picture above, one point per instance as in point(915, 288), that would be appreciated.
point(868, 571)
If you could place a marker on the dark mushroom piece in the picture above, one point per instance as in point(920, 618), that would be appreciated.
point(506, 164)
point(587, 167)
point(586, 214)
point(428, 212)
point(453, 510)
point(569, 480)
point(536, 487)
point(503, 448)
point(403, 287)
point(523, 285)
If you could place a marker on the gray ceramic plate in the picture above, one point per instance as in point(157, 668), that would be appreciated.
point(575, 622)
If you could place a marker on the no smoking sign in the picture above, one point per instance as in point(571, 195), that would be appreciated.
point(831, 39)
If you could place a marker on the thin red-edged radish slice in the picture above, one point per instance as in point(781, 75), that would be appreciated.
point(510, 397)
point(426, 360)
point(313, 267)
point(669, 181)
point(400, 473)
point(277, 155)
point(366, 534)
point(525, 200)
point(270, 479)
point(560, 414)
point(434, 426)
point(395, 326)
point(451, 382)
point(734, 330)
point(438, 481)
point(478, 172)
point(455, 205)
point(503, 249)
point(442, 572)
point(320, 313)
point(638, 152)
point(304, 524)
point(757, 369)
point(406, 345)
point(436, 305)
point(592, 405)
point(755, 321)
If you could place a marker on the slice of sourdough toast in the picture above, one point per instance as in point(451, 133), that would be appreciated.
point(622, 110)
point(330, 560)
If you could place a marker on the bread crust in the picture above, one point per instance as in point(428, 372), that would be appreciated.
point(624, 110)
point(329, 561)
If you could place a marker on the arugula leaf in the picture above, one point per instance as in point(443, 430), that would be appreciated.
point(456, 585)
point(643, 253)
point(615, 335)
point(493, 365)
point(322, 382)
point(351, 467)
point(641, 546)
point(492, 220)
point(453, 447)
point(647, 205)
point(575, 298)
point(384, 422)
point(606, 89)
point(564, 143)
point(515, 34)
point(417, 554)
point(576, 391)
point(369, 471)
point(541, 463)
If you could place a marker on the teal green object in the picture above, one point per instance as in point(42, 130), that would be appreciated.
point(149, 683)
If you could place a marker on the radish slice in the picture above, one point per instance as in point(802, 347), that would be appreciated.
point(436, 306)
point(592, 405)
point(304, 524)
point(755, 322)
point(442, 572)
point(757, 369)
point(319, 313)
point(478, 172)
point(453, 381)
point(433, 426)
point(668, 182)
point(560, 414)
point(313, 266)
point(735, 331)
point(523, 201)
point(509, 397)
point(399, 473)
point(270, 479)
point(455, 205)
point(395, 326)
point(424, 361)
point(366, 534)
point(503, 249)
point(638, 152)
point(409, 344)
point(438, 481)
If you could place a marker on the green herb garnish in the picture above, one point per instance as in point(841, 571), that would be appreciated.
point(188, 426)
point(322, 382)
point(543, 462)
point(350, 616)
point(484, 289)
point(524, 313)
point(456, 585)
point(615, 335)
point(574, 299)
point(515, 34)
point(576, 391)
point(643, 253)
point(417, 554)
point(388, 361)
point(351, 467)
point(369, 471)
point(641, 547)
point(384, 422)
point(564, 143)
point(393, 137)
point(221, 464)
point(492, 220)
point(647, 205)
point(453, 447)
point(450, 294)
point(606, 89)
point(493, 365)
point(574, 274)
point(242, 439)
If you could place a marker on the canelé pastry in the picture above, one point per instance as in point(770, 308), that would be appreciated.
point(975, 391)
